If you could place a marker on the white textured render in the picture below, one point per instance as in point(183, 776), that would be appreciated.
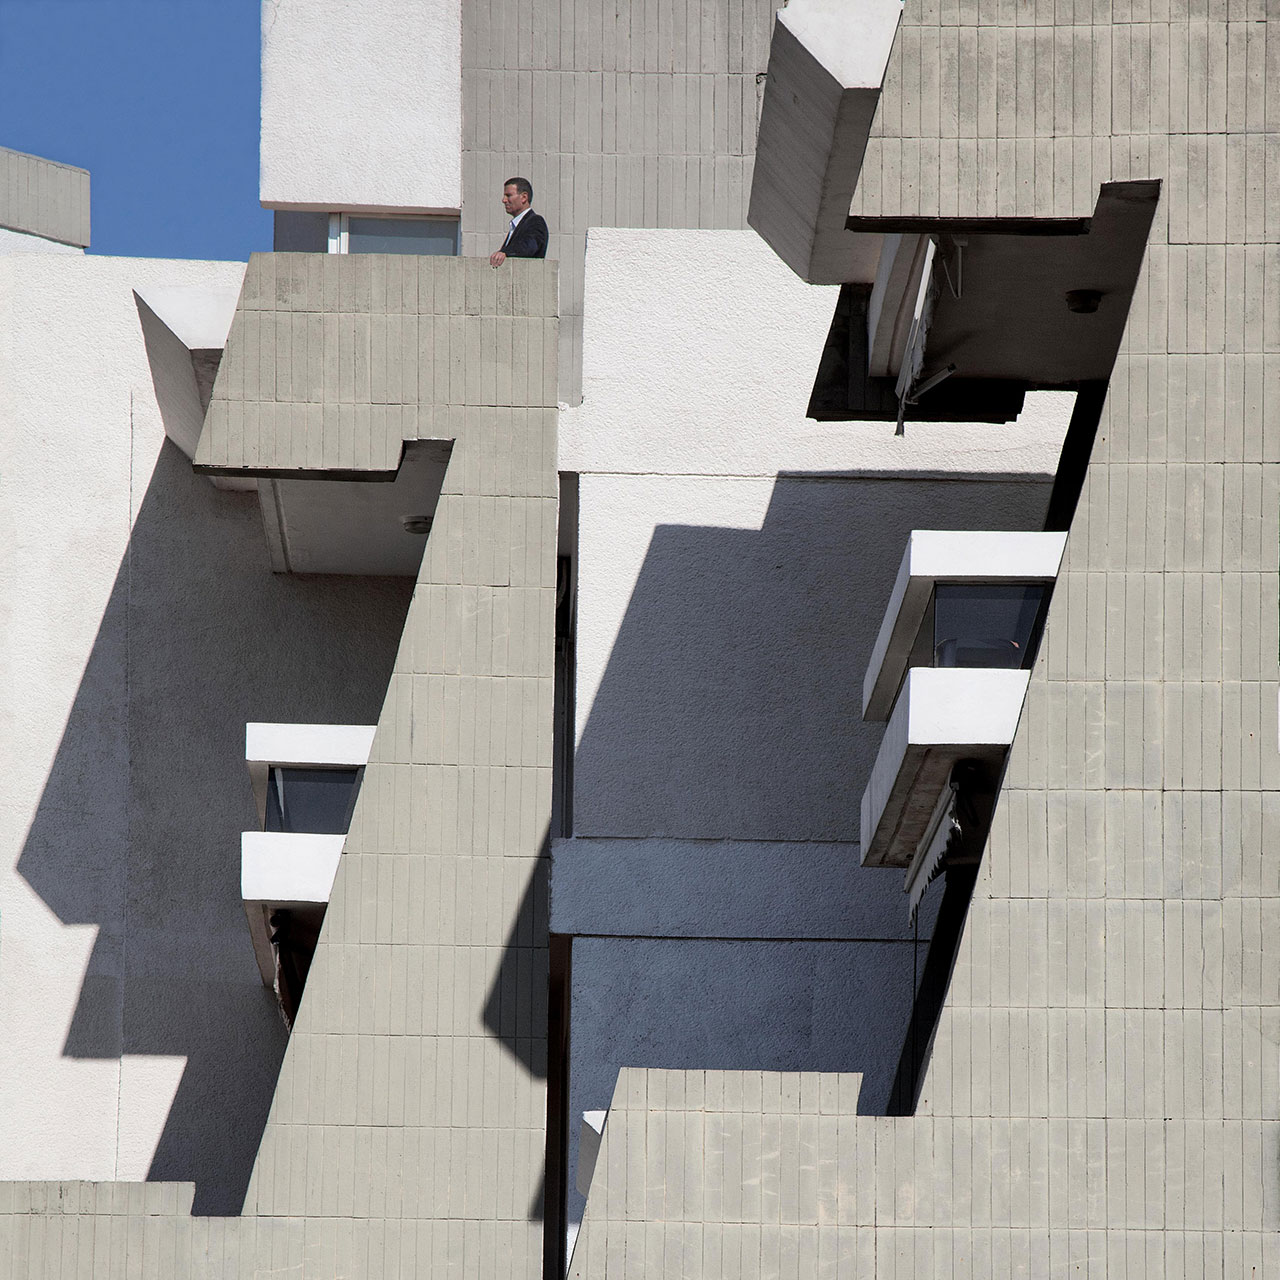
point(700, 350)
point(308, 744)
point(140, 627)
point(174, 378)
point(76, 451)
point(199, 314)
point(721, 631)
point(361, 107)
point(288, 866)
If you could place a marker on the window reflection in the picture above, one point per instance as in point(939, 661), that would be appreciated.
point(402, 235)
point(984, 624)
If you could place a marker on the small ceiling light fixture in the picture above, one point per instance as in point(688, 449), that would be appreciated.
point(420, 525)
point(1083, 302)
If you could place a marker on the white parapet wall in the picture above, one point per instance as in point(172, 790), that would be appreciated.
point(300, 745)
point(288, 867)
point(361, 109)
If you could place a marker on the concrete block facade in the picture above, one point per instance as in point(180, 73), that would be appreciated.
point(43, 198)
point(425, 1011)
point(335, 361)
point(1102, 1094)
point(622, 116)
point(409, 1120)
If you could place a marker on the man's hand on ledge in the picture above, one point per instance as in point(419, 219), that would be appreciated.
point(497, 258)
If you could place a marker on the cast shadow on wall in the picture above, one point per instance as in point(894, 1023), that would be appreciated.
point(138, 829)
point(730, 708)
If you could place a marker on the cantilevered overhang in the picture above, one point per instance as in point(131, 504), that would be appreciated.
point(942, 717)
point(1043, 303)
point(826, 64)
point(951, 556)
point(372, 526)
point(964, 316)
point(343, 384)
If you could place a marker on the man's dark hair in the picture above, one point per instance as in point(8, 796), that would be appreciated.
point(522, 186)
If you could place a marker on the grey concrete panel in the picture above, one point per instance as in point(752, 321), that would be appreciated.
point(44, 198)
point(643, 117)
point(335, 361)
point(1084, 1110)
point(432, 965)
point(708, 1005)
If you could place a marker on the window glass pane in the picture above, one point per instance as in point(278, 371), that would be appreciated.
point(318, 801)
point(299, 232)
point(402, 235)
point(984, 625)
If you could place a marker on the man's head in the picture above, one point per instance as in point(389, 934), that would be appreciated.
point(517, 195)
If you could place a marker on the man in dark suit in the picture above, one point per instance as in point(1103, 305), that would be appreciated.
point(527, 235)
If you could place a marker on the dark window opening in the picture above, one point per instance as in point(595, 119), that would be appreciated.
point(985, 624)
point(315, 801)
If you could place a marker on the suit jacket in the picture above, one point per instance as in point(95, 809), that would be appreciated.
point(529, 239)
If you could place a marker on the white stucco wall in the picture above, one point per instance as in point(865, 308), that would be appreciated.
point(734, 563)
point(718, 522)
point(699, 354)
point(361, 107)
point(140, 629)
point(724, 627)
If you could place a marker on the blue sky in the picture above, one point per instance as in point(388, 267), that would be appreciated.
point(158, 99)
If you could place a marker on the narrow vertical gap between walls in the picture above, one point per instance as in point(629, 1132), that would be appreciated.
point(555, 1224)
point(128, 780)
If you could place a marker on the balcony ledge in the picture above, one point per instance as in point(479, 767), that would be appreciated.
point(942, 716)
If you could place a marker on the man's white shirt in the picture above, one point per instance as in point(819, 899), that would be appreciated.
point(515, 222)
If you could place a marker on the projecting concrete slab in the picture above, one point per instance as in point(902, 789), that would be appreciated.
point(941, 717)
point(354, 526)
